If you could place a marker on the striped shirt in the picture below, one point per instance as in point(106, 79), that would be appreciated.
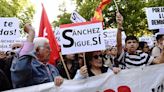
point(140, 59)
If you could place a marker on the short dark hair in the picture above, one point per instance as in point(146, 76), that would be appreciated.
point(159, 36)
point(142, 44)
point(132, 37)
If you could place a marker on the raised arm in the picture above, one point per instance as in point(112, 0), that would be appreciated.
point(28, 45)
point(31, 33)
point(119, 20)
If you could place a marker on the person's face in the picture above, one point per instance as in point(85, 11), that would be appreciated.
point(131, 46)
point(114, 51)
point(108, 52)
point(44, 52)
point(16, 46)
point(70, 56)
point(97, 60)
point(146, 48)
point(160, 41)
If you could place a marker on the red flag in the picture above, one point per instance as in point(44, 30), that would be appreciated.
point(98, 13)
point(104, 3)
point(46, 26)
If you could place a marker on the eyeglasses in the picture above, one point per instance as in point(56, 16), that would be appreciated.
point(9, 53)
point(97, 56)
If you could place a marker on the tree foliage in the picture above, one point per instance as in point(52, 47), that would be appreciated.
point(22, 9)
point(63, 19)
point(133, 12)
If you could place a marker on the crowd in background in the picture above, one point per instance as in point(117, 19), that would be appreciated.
point(27, 64)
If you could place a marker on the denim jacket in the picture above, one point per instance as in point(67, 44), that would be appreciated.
point(27, 71)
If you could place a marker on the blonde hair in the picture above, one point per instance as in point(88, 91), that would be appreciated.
point(40, 41)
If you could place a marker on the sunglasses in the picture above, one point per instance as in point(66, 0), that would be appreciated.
point(15, 47)
point(97, 56)
point(8, 53)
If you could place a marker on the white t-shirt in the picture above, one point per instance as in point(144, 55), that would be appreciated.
point(156, 51)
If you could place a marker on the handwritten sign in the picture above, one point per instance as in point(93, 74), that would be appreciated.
point(9, 32)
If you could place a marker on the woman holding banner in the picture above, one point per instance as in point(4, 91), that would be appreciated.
point(94, 66)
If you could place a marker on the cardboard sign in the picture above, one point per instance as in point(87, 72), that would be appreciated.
point(155, 17)
point(9, 32)
point(76, 18)
point(110, 37)
point(81, 37)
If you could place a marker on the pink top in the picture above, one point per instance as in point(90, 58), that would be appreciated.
point(27, 47)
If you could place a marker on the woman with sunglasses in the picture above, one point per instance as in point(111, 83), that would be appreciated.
point(94, 66)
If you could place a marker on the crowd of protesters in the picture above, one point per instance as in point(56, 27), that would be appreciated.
point(27, 63)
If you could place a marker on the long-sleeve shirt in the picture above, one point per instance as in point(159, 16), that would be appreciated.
point(27, 70)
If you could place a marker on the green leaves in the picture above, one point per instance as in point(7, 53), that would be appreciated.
point(133, 11)
point(21, 9)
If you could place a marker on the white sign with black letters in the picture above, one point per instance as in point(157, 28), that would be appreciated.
point(81, 37)
point(76, 18)
point(155, 17)
point(9, 32)
point(110, 37)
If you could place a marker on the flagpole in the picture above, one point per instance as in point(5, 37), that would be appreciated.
point(84, 58)
point(116, 5)
point(67, 73)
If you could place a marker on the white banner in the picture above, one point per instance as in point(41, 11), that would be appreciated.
point(81, 37)
point(110, 37)
point(155, 17)
point(76, 18)
point(148, 79)
point(9, 32)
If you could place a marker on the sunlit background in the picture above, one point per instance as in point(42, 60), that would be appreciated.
point(52, 9)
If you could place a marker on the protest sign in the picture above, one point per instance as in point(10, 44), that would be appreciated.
point(161, 30)
point(147, 79)
point(9, 31)
point(110, 37)
point(81, 37)
point(155, 17)
point(76, 18)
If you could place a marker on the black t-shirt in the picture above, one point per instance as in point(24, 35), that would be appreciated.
point(72, 71)
point(4, 82)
